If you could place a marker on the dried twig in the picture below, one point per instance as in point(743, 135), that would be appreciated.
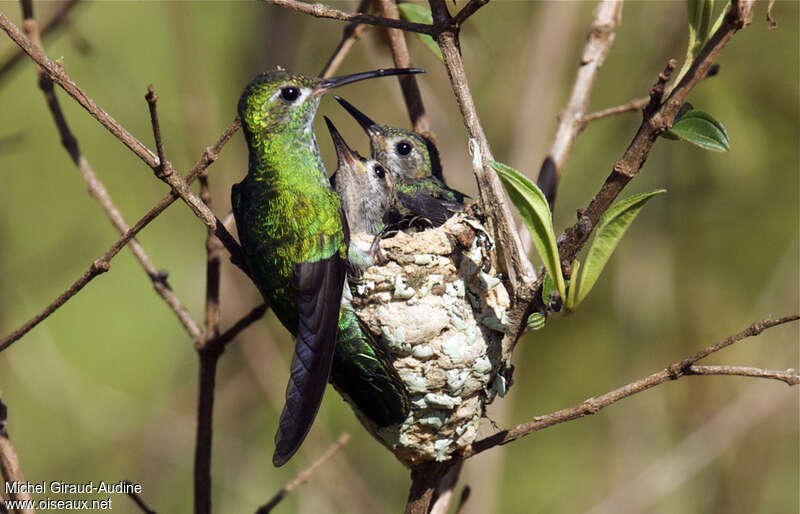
point(408, 83)
point(245, 321)
point(323, 11)
point(672, 372)
point(165, 172)
point(598, 44)
point(208, 355)
point(352, 32)
point(102, 264)
point(462, 501)
point(304, 475)
point(789, 376)
point(634, 105)
point(490, 190)
point(137, 499)
point(98, 190)
point(9, 465)
point(58, 17)
point(658, 117)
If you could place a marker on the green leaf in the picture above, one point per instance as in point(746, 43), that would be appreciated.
point(535, 212)
point(607, 234)
point(419, 14)
point(572, 295)
point(548, 286)
point(701, 129)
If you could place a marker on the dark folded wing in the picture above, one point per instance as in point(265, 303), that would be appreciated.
point(432, 207)
point(318, 290)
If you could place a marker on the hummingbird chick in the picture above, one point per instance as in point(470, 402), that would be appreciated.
point(293, 233)
point(419, 189)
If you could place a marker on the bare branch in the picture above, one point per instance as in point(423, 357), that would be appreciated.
point(789, 376)
point(166, 172)
point(248, 319)
point(304, 475)
point(137, 499)
point(444, 492)
point(636, 104)
point(59, 17)
point(408, 83)
point(598, 44)
point(323, 11)
point(658, 117)
point(101, 264)
point(352, 32)
point(462, 501)
point(426, 480)
point(98, 190)
point(60, 77)
point(671, 372)
point(467, 11)
point(491, 196)
point(9, 465)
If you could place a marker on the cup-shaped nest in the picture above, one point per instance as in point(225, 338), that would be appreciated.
point(441, 310)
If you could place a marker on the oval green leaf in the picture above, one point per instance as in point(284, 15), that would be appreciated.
point(701, 129)
point(419, 14)
point(607, 234)
point(535, 212)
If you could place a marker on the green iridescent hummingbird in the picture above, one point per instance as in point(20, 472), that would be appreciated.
point(293, 233)
point(419, 189)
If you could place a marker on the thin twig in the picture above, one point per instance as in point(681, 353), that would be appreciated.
point(10, 467)
point(672, 372)
point(137, 499)
point(102, 264)
point(789, 376)
point(462, 501)
point(491, 196)
point(444, 492)
point(304, 475)
point(98, 190)
point(323, 11)
point(202, 467)
point(165, 172)
point(598, 44)
point(658, 117)
point(634, 105)
point(55, 20)
point(352, 32)
point(467, 11)
point(408, 83)
point(245, 321)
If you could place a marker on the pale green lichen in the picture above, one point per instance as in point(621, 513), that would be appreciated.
point(446, 338)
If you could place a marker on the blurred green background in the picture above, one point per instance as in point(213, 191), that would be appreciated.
point(105, 389)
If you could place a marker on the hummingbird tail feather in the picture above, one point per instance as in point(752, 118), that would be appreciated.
point(318, 288)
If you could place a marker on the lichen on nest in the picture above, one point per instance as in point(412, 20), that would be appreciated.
point(441, 309)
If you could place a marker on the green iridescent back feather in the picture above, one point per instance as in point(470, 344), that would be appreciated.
point(362, 372)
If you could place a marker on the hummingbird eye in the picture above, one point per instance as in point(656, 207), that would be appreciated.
point(403, 148)
point(379, 171)
point(290, 93)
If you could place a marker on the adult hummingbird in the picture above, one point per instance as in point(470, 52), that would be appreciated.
point(293, 232)
point(419, 190)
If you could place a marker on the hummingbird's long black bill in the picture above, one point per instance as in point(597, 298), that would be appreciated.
point(366, 123)
point(344, 154)
point(334, 82)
